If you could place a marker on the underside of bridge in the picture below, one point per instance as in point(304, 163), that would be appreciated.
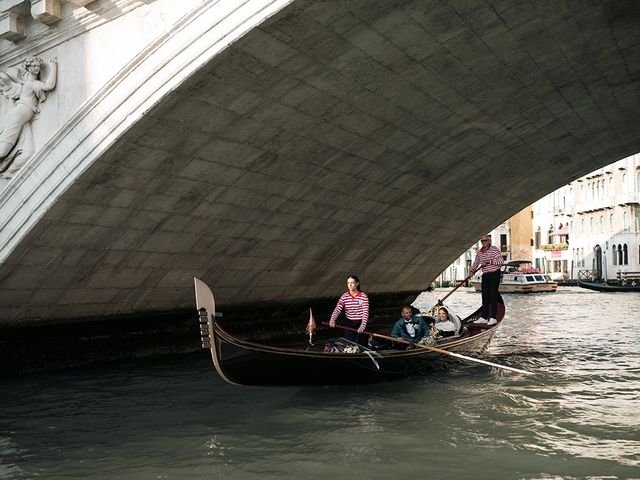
point(371, 137)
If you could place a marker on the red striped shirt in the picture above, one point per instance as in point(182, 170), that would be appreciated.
point(355, 307)
point(492, 255)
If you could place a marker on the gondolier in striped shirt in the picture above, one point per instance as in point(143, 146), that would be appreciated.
point(356, 308)
point(490, 260)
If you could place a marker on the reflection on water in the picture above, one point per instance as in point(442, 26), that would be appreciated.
point(576, 418)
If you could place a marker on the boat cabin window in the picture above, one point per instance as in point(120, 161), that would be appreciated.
point(530, 278)
point(540, 278)
point(519, 279)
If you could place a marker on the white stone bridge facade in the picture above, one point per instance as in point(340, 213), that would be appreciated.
point(273, 147)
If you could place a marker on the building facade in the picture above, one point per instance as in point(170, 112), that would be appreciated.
point(591, 226)
point(588, 228)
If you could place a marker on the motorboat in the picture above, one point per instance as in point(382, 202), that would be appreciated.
point(518, 276)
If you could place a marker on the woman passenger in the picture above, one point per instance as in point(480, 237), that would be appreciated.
point(444, 325)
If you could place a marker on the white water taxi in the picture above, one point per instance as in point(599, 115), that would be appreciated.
point(518, 276)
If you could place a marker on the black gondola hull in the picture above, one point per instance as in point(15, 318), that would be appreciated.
point(244, 362)
point(267, 368)
point(248, 364)
point(601, 287)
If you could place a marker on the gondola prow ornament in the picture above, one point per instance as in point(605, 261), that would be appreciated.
point(311, 327)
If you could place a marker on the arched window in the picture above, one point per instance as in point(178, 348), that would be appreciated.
point(571, 224)
point(638, 181)
point(612, 223)
point(625, 222)
point(625, 255)
point(592, 225)
point(601, 224)
point(620, 255)
point(624, 182)
point(582, 226)
point(614, 250)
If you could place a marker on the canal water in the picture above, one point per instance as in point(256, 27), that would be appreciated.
point(577, 417)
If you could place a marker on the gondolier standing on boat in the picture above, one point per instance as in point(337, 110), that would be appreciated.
point(490, 260)
point(356, 308)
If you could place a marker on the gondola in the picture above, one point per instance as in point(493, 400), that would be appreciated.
point(245, 362)
point(613, 286)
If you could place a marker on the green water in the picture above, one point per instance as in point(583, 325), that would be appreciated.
point(578, 417)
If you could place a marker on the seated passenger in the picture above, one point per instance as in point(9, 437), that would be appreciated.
point(410, 327)
point(446, 325)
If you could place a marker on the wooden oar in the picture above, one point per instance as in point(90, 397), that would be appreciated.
point(455, 288)
point(435, 349)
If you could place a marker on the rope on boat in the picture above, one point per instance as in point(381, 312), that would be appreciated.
point(357, 348)
point(372, 359)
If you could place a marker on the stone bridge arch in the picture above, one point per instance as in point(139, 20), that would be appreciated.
point(273, 147)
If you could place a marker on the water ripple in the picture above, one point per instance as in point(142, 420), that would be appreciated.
point(577, 417)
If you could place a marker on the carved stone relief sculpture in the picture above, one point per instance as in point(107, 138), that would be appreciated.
point(25, 89)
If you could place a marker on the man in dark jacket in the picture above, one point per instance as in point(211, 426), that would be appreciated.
point(410, 327)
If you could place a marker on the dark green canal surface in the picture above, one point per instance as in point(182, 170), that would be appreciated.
point(173, 418)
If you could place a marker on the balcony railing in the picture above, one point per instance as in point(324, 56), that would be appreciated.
point(554, 246)
point(628, 198)
point(593, 204)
